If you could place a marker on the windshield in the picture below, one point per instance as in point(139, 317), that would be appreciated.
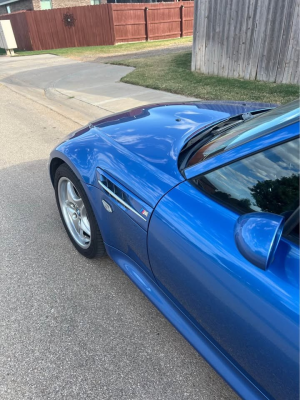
point(248, 130)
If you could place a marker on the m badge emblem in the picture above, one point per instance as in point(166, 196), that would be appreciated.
point(144, 212)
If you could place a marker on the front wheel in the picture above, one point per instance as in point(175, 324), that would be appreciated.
point(76, 213)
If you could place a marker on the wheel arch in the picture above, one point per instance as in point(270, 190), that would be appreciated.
point(54, 164)
point(56, 160)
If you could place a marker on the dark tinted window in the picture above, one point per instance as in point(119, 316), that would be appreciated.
point(250, 129)
point(266, 181)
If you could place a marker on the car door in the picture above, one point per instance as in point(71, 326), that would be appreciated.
point(251, 314)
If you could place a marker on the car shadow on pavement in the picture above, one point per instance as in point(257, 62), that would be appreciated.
point(77, 328)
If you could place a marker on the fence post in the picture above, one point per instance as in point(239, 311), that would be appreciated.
point(181, 21)
point(146, 22)
point(110, 12)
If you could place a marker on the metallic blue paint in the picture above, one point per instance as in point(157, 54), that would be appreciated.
point(119, 230)
point(257, 236)
point(143, 144)
point(135, 202)
point(157, 133)
point(199, 339)
point(243, 320)
point(252, 314)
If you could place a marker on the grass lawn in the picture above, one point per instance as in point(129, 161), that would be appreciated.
point(93, 51)
point(172, 73)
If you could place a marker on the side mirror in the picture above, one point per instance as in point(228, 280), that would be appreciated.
point(257, 236)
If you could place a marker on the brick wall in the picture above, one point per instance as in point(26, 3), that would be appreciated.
point(70, 3)
point(36, 4)
point(18, 6)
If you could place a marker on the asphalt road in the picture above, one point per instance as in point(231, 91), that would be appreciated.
point(71, 328)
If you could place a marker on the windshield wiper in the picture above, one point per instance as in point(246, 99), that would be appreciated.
point(204, 137)
point(211, 133)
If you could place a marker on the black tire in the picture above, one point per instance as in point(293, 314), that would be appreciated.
point(96, 247)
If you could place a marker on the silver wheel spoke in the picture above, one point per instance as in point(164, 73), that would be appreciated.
point(79, 203)
point(70, 210)
point(71, 195)
point(74, 212)
point(76, 222)
point(85, 238)
point(86, 226)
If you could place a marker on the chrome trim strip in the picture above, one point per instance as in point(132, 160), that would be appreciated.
point(120, 200)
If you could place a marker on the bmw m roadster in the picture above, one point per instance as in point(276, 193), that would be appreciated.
point(198, 203)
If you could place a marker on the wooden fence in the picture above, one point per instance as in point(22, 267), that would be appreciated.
point(50, 29)
point(105, 24)
point(250, 39)
point(151, 21)
point(20, 28)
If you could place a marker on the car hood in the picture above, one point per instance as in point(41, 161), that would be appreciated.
point(157, 133)
point(144, 143)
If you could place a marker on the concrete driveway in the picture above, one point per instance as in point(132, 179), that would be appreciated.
point(81, 91)
point(72, 328)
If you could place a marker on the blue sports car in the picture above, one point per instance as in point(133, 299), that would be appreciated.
point(198, 203)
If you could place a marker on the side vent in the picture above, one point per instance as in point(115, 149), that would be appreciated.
point(113, 188)
point(121, 196)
